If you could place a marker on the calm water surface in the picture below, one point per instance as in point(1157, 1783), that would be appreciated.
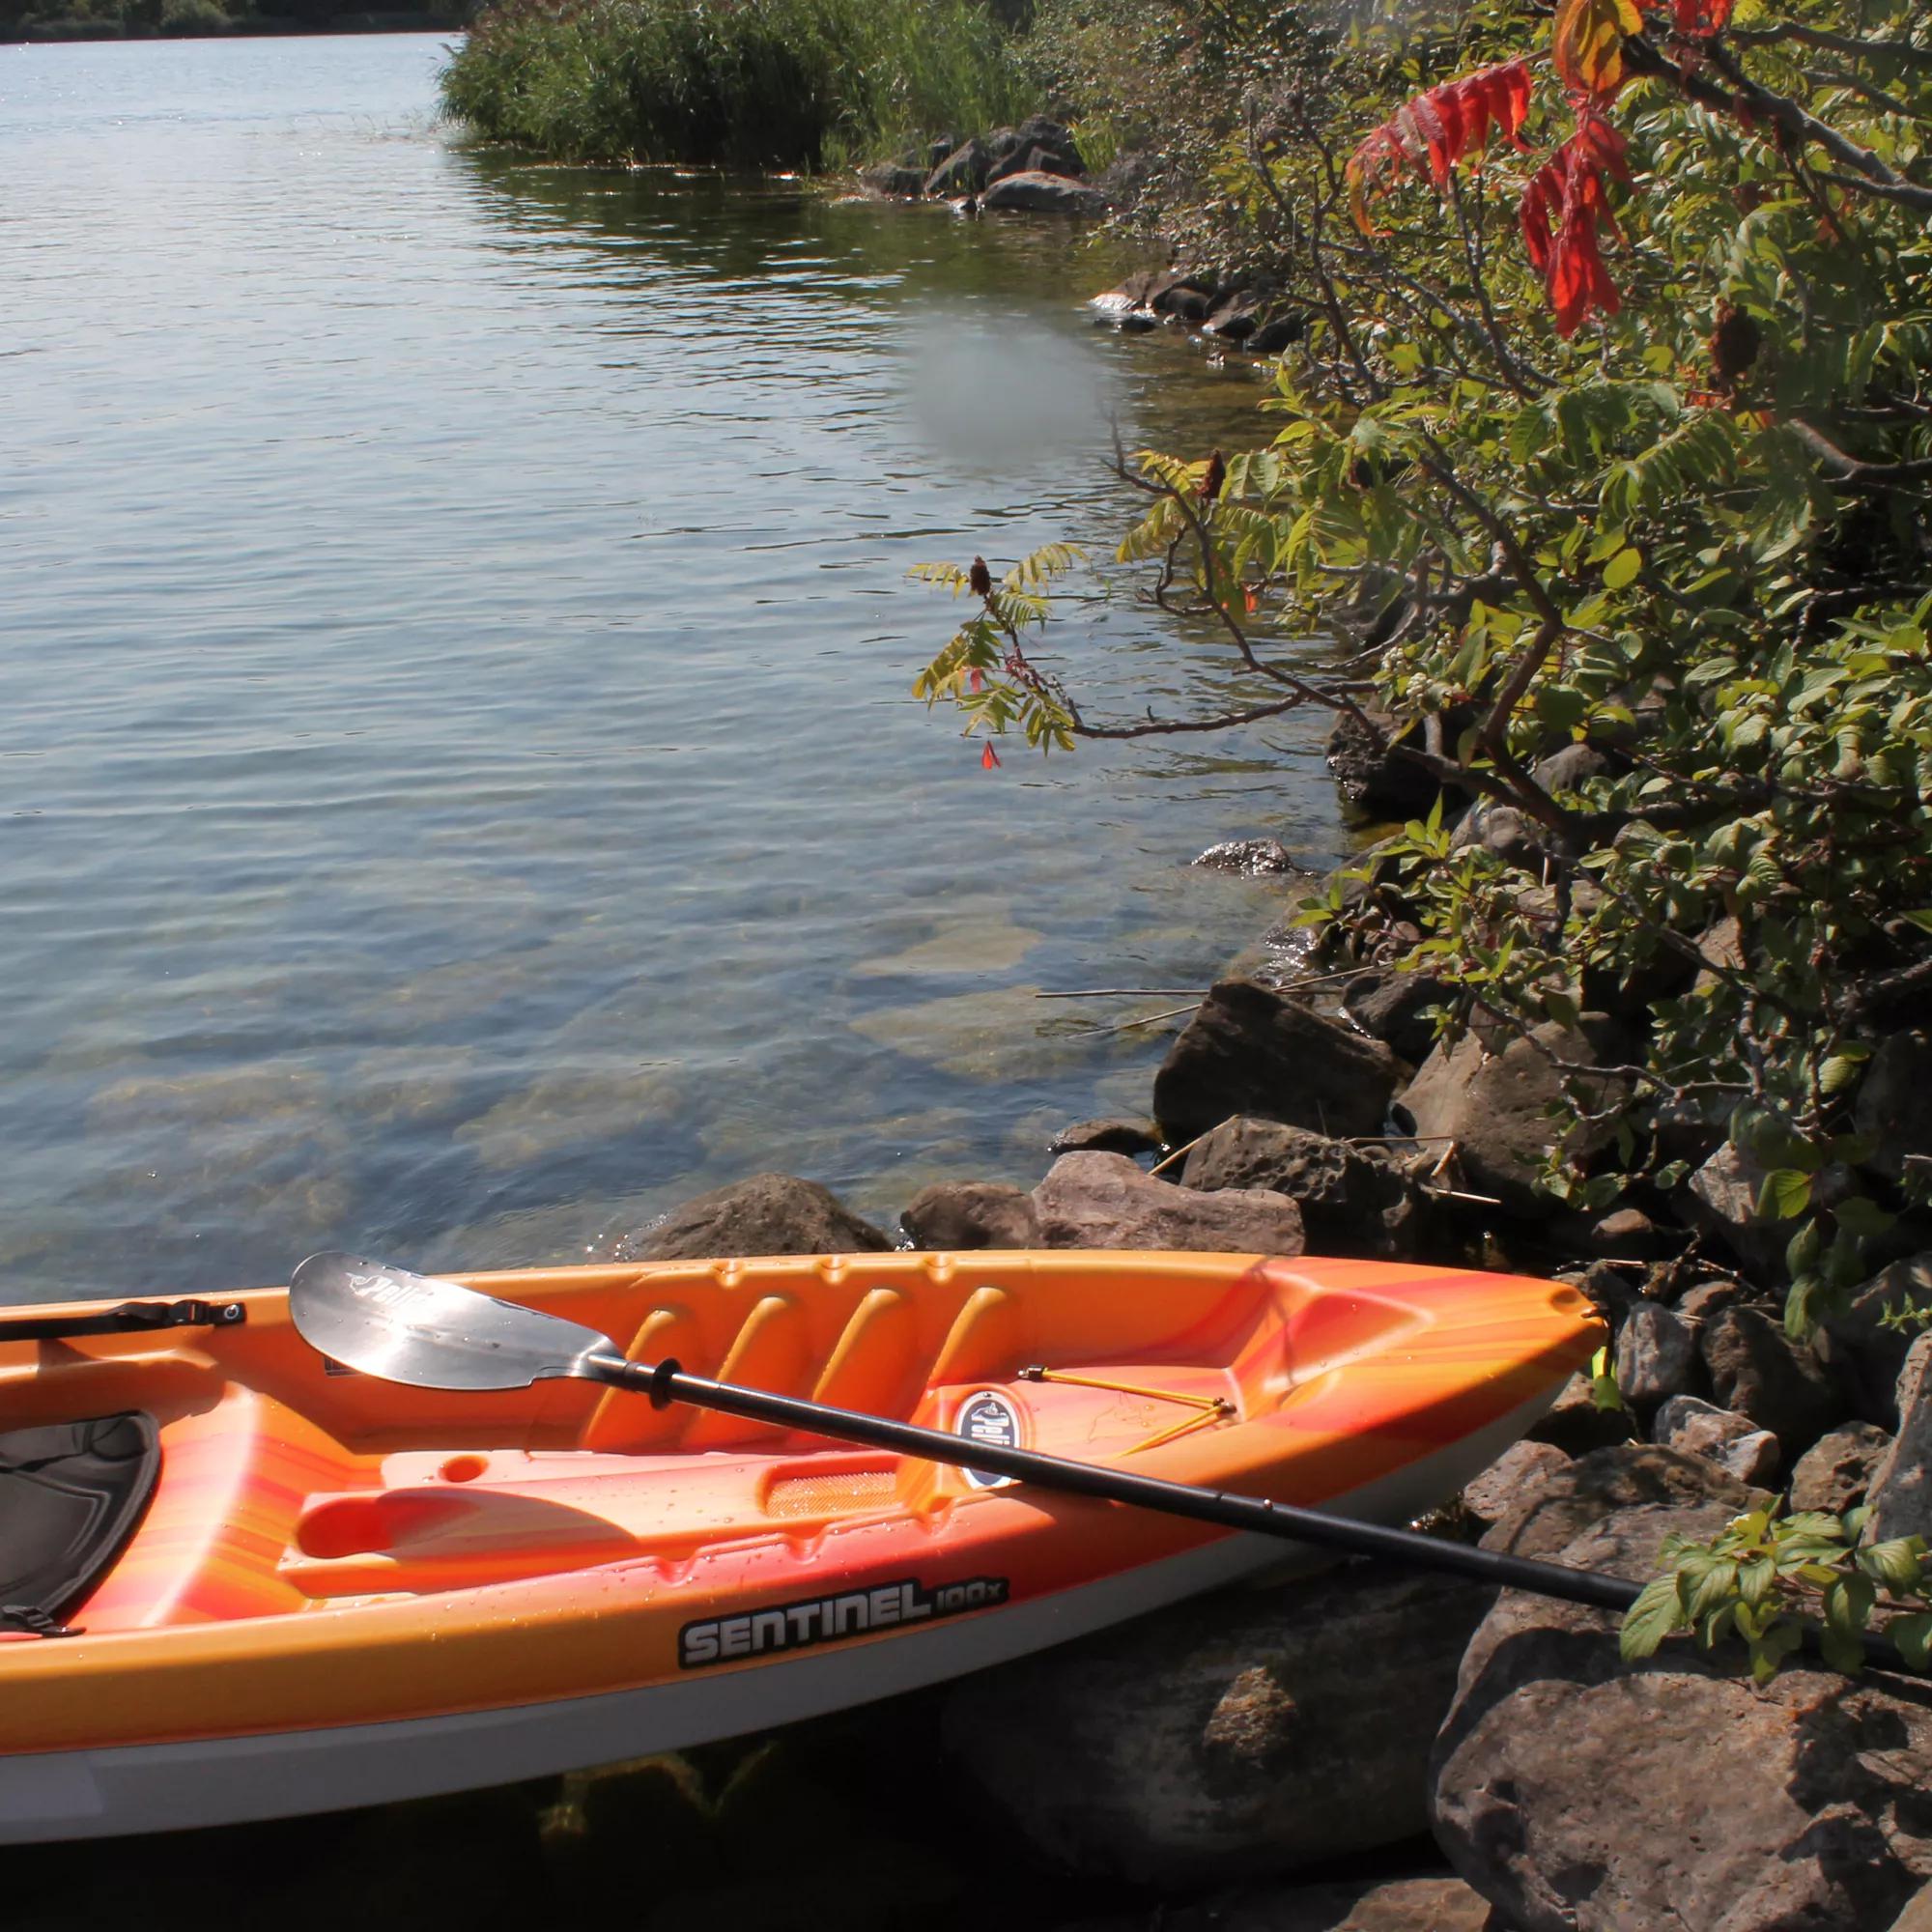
point(460, 792)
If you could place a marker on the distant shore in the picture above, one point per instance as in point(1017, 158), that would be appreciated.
point(202, 27)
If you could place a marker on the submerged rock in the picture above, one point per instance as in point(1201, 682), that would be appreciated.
point(767, 1215)
point(1114, 1136)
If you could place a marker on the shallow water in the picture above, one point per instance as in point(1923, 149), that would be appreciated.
point(461, 792)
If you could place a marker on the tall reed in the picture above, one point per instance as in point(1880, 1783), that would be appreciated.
point(741, 83)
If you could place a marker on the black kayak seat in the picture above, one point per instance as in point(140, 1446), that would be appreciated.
point(70, 1495)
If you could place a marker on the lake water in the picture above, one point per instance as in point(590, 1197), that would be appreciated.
point(461, 789)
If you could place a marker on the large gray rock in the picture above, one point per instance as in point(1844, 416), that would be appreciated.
point(1496, 1105)
point(1835, 1473)
point(1722, 1198)
point(1894, 1102)
point(1583, 1795)
point(892, 177)
point(1866, 1355)
point(970, 1214)
point(768, 1214)
point(1757, 1370)
point(1428, 1904)
point(961, 172)
point(1353, 1201)
point(1395, 1007)
point(1657, 1356)
point(1251, 1050)
point(1104, 1201)
point(1901, 1485)
point(1034, 192)
point(1235, 1736)
point(1510, 1480)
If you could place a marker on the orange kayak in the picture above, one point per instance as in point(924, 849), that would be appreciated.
point(337, 1591)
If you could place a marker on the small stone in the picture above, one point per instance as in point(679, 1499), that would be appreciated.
point(1706, 1299)
point(1722, 1198)
point(1625, 1233)
point(1693, 1426)
point(1835, 1473)
point(1655, 1356)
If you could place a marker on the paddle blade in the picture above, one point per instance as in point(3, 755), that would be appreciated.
point(412, 1328)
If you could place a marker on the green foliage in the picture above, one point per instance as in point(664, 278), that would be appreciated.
point(1772, 1579)
point(1696, 534)
point(778, 83)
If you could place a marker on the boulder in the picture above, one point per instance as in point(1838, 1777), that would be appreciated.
point(1434, 1903)
point(1107, 1137)
point(1900, 1499)
point(1509, 1481)
point(1032, 192)
point(1353, 1201)
point(961, 172)
point(889, 177)
point(1237, 1735)
point(970, 1214)
point(1579, 1793)
point(1187, 297)
point(938, 149)
point(1835, 1473)
point(1625, 1233)
point(1234, 319)
point(1867, 1355)
point(1395, 1007)
point(1371, 773)
point(768, 1214)
point(1571, 768)
point(1657, 1356)
point(1052, 138)
point(1894, 1102)
point(1496, 1105)
point(1576, 1423)
point(1251, 1050)
point(1104, 1201)
point(1757, 1370)
point(1693, 1426)
point(1278, 332)
point(1504, 831)
point(1723, 1200)
point(1917, 1916)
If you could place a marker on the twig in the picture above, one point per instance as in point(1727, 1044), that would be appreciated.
point(1127, 1026)
point(1179, 1154)
point(1120, 992)
point(1457, 1194)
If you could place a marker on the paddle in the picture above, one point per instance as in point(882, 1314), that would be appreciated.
point(412, 1329)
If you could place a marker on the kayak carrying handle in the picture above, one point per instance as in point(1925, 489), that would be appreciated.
point(130, 1318)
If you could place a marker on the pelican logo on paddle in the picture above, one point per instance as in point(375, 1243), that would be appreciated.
point(831, 1619)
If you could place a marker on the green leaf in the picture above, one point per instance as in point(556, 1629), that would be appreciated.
point(1896, 1564)
point(1650, 1619)
point(1913, 1635)
point(1621, 569)
point(1770, 1650)
point(1784, 1195)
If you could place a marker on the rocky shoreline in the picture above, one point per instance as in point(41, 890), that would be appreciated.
point(1208, 1755)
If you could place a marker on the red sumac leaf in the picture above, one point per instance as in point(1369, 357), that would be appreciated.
point(1437, 128)
point(1562, 211)
point(989, 759)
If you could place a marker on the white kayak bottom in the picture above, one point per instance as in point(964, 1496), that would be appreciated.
point(117, 1791)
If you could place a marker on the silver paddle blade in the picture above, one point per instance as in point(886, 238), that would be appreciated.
point(412, 1328)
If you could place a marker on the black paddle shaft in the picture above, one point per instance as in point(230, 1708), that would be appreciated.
point(667, 1383)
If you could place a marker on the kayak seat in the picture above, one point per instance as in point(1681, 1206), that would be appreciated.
point(234, 1478)
point(71, 1493)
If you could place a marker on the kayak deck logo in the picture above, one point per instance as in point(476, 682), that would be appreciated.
point(817, 1620)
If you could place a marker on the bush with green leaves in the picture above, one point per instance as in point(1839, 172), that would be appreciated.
point(1676, 507)
point(1774, 1581)
point(757, 83)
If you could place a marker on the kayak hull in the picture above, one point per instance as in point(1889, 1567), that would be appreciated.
point(456, 1616)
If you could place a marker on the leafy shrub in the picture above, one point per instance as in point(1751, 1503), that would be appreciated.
point(1665, 491)
point(756, 83)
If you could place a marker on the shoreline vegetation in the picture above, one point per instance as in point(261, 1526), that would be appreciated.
point(37, 22)
point(1600, 465)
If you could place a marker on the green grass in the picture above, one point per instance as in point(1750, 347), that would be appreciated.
point(738, 83)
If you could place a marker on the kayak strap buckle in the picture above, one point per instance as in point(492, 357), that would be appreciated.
point(34, 1621)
